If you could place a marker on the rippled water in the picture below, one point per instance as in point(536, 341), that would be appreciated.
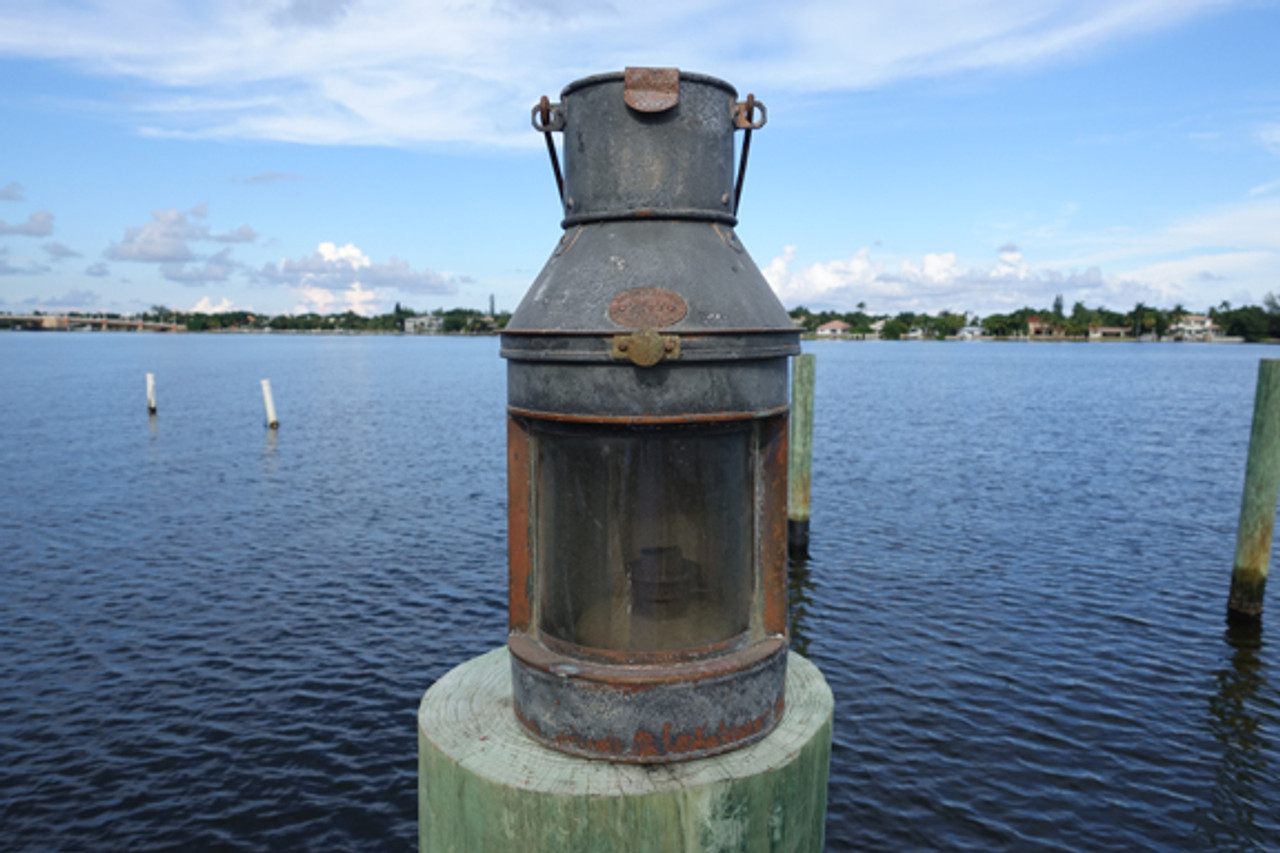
point(216, 637)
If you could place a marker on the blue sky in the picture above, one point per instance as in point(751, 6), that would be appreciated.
point(977, 155)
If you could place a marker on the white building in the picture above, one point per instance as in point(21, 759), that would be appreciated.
point(429, 324)
point(1195, 327)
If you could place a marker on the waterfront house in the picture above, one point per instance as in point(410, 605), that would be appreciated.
point(429, 324)
point(1195, 327)
point(834, 329)
point(1108, 333)
point(1038, 328)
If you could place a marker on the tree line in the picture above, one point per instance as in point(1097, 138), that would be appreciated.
point(1251, 322)
point(454, 320)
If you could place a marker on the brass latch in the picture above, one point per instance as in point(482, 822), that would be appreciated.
point(646, 347)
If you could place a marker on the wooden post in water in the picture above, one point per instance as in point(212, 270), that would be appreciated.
point(270, 403)
point(800, 466)
point(485, 784)
point(1258, 506)
point(151, 393)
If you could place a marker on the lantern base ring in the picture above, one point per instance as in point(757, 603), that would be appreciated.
point(651, 713)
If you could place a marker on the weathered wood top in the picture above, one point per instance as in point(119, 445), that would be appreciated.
point(467, 715)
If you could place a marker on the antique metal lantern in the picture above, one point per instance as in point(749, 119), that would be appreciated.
point(648, 402)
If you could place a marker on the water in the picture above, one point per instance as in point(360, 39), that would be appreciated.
point(212, 636)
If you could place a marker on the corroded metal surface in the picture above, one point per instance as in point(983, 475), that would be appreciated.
point(647, 308)
point(651, 90)
point(647, 392)
point(519, 548)
point(648, 714)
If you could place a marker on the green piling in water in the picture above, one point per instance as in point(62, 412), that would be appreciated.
point(1258, 506)
point(800, 464)
point(485, 785)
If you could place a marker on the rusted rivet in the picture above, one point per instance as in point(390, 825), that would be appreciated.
point(622, 347)
point(669, 345)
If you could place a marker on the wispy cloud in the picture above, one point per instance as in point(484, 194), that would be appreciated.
point(266, 178)
point(58, 251)
point(72, 300)
point(218, 267)
point(20, 265)
point(11, 191)
point(406, 71)
point(38, 224)
point(1263, 189)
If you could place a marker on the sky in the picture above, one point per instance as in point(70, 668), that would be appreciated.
point(287, 156)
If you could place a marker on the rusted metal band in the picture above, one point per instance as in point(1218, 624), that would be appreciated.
point(702, 346)
point(636, 669)
point(647, 420)
point(620, 76)
point(643, 715)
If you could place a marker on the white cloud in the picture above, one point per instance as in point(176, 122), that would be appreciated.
point(1230, 252)
point(167, 240)
point(207, 306)
point(408, 71)
point(11, 191)
point(937, 281)
point(340, 277)
point(162, 240)
point(38, 224)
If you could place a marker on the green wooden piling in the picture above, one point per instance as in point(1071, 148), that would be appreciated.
point(800, 464)
point(1258, 506)
point(484, 785)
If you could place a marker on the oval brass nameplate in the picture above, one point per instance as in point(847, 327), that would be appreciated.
point(647, 308)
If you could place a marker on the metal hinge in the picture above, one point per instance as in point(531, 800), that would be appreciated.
point(645, 348)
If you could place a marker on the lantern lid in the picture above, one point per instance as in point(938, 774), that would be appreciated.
point(677, 276)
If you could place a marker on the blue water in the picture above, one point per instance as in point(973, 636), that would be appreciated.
point(215, 637)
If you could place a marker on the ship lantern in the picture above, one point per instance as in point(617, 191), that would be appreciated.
point(647, 432)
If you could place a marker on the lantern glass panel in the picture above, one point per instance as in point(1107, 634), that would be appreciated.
point(645, 537)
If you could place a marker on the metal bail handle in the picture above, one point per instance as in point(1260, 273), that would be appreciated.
point(548, 118)
point(651, 90)
point(744, 119)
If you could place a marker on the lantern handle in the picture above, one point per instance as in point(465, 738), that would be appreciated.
point(547, 118)
point(744, 119)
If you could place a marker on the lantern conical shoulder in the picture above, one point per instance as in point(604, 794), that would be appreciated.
point(647, 402)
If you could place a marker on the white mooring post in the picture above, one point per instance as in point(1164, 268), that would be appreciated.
point(270, 403)
point(151, 393)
